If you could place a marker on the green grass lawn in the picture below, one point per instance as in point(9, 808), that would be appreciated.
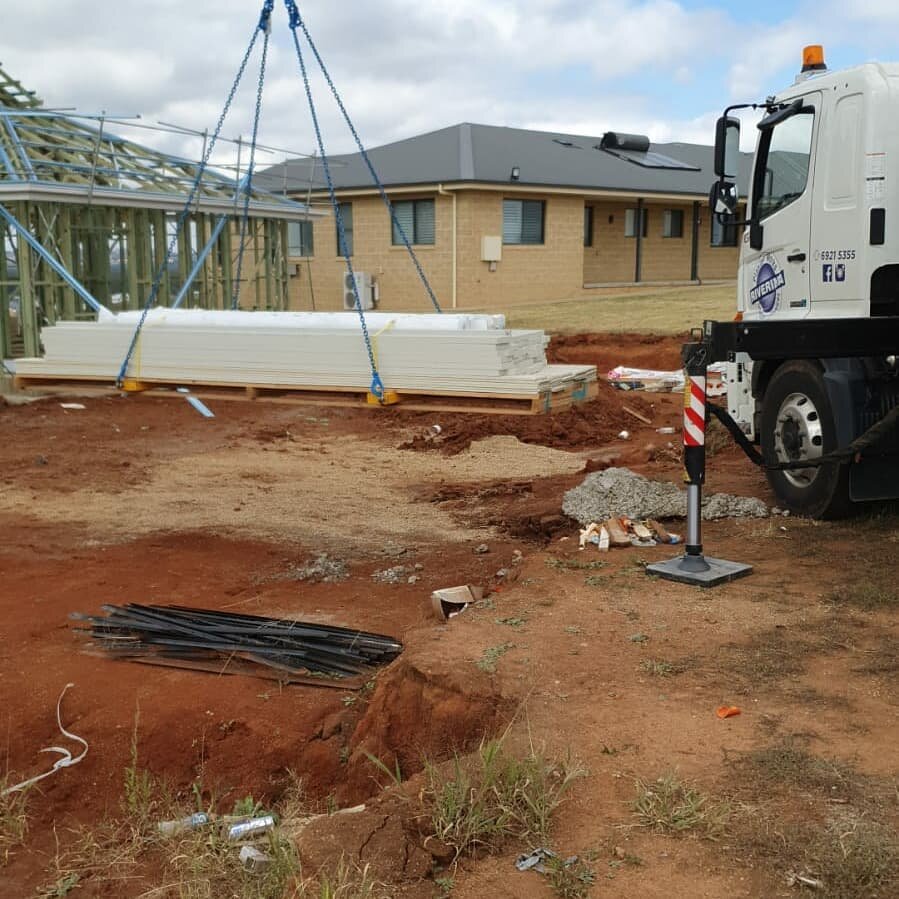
point(667, 310)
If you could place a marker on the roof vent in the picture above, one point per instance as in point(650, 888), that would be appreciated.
point(616, 140)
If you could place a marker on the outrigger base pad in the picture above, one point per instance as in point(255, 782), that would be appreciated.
point(701, 571)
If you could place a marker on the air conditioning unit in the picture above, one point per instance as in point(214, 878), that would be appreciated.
point(365, 287)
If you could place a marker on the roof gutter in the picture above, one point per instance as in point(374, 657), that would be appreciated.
point(504, 187)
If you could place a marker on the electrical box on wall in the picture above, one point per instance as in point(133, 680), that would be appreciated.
point(491, 249)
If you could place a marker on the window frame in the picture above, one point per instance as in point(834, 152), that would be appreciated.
point(305, 224)
point(763, 176)
point(414, 238)
point(522, 242)
point(589, 224)
point(643, 214)
point(669, 217)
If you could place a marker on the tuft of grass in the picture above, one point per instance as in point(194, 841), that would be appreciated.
point(395, 775)
point(670, 806)
point(575, 565)
point(445, 886)
point(492, 796)
point(659, 668)
point(349, 880)
point(867, 595)
point(13, 821)
point(491, 656)
point(204, 864)
point(61, 888)
point(851, 857)
point(789, 765)
point(514, 622)
point(142, 795)
point(569, 879)
point(768, 657)
point(863, 861)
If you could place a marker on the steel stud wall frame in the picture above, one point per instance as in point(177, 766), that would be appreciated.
point(104, 209)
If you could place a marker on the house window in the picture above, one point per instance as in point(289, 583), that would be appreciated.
point(630, 222)
point(299, 239)
point(523, 221)
point(416, 218)
point(588, 226)
point(346, 215)
point(673, 223)
point(723, 235)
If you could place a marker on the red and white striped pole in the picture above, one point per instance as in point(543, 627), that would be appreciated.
point(696, 373)
point(693, 567)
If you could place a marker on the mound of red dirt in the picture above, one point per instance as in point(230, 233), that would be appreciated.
point(606, 351)
point(582, 426)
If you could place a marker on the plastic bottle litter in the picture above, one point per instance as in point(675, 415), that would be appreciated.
point(192, 822)
point(254, 827)
point(665, 430)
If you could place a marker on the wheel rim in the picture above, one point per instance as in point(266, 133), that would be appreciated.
point(799, 436)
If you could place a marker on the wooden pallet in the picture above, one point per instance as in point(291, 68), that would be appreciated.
point(571, 393)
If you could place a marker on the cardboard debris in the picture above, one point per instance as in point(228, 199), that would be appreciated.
point(448, 602)
point(625, 532)
point(618, 535)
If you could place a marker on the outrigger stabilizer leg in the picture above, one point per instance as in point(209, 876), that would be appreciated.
point(693, 567)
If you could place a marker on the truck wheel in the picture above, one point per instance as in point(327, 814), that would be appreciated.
point(798, 424)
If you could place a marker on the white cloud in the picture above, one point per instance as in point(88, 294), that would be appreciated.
point(403, 66)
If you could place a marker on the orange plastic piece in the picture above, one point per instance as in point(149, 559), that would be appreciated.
point(728, 711)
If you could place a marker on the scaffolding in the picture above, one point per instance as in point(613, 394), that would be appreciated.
point(86, 218)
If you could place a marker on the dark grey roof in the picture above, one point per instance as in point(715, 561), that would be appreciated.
point(487, 153)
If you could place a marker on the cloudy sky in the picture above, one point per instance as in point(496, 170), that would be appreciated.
point(660, 67)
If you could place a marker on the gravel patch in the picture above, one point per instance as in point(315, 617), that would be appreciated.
point(619, 492)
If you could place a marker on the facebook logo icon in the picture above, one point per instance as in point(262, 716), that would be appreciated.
point(828, 272)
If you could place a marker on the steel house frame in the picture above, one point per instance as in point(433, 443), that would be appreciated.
point(86, 217)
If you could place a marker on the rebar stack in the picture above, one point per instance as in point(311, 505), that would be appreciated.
point(225, 643)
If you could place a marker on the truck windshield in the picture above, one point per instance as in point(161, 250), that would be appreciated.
point(784, 156)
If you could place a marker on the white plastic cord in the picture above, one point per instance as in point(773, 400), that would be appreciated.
point(66, 761)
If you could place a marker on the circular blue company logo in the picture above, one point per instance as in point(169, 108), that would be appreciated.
point(768, 283)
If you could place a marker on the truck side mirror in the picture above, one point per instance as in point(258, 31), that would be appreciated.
point(727, 147)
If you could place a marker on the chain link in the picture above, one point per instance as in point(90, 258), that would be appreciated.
point(377, 387)
point(296, 21)
point(157, 281)
point(248, 187)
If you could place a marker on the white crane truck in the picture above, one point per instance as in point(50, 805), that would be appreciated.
point(813, 377)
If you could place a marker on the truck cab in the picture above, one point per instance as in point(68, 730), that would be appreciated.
point(819, 246)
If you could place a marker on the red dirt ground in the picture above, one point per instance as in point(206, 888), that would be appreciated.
point(571, 677)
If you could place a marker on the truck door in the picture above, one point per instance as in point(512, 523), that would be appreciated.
point(776, 274)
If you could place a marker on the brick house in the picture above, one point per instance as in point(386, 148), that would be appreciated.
point(495, 211)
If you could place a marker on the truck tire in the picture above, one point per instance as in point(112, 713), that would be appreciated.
point(798, 423)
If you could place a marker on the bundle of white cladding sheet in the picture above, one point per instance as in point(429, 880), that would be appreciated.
point(440, 353)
